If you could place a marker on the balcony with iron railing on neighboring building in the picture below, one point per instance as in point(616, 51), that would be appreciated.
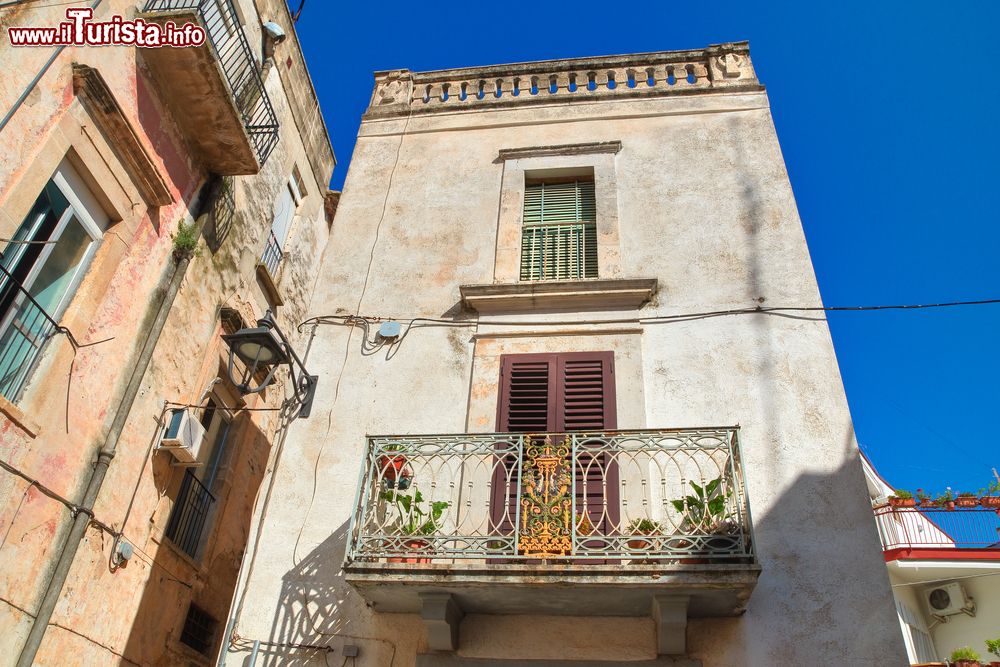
point(947, 532)
point(602, 523)
point(25, 327)
point(215, 91)
point(186, 526)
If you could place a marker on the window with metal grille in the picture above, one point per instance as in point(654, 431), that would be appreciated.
point(559, 237)
point(199, 630)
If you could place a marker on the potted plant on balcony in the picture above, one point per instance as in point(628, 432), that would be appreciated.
point(964, 657)
point(991, 496)
point(993, 646)
point(414, 520)
point(902, 498)
point(966, 499)
point(946, 500)
point(393, 468)
point(643, 527)
point(705, 513)
point(925, 500)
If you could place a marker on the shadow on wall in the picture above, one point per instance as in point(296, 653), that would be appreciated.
point(176, 581)
point(823, 578)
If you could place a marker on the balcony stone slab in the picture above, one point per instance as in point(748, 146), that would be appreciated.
point(200, 100)
point(558, 590)
point(589, 294)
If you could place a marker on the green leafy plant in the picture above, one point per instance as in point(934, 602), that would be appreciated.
point(993, 646)
point(902, 494)
point(943, 499)
point(706, 509)
point(921, 496)
point(994, 488)
point(185, 241)
point(414, 517)
point(644, 527)
point(964, 653)
point(966, 494)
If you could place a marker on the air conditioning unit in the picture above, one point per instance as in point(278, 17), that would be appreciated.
point(949, 599)
point(183, 436)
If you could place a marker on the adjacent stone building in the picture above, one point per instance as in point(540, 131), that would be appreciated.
point(562, 416)
point(151, 200)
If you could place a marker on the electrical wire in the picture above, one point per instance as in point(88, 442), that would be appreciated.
point(351, 319)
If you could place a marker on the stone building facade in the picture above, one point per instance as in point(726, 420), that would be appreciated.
point(118, 162)
point(576, 272)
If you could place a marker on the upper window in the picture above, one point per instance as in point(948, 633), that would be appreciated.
point(559, 237)
point(283, 214)
point(40, 269)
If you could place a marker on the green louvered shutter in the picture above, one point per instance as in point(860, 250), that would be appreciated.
point(559, 239)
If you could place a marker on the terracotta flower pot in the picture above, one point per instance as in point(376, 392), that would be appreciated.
point(928, 503)
point(902, 502)
point(966, 501)
point(392, 467)
point(991, 502)
point(415, 545)
point(638, 543)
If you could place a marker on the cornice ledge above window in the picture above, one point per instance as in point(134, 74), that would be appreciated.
point(561, 149)
point(597, 294)
point(93, 92)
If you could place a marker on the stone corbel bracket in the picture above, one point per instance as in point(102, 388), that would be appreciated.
point(93, 92)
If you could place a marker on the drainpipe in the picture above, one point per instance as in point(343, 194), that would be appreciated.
point(82, 517)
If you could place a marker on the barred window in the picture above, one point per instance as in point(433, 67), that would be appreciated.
point(559, 238)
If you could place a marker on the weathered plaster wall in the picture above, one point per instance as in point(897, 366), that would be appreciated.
point(705, 206)
point(134, 615)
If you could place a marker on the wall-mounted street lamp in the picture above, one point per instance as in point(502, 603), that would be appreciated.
point(264, 348)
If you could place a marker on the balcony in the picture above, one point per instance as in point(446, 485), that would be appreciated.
point(25, 327)
point(215, 90)
point(938, 533)
point(268, 267)
point(621, 523)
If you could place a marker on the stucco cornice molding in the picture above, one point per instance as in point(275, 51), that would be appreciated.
point(597, 294)
point(98, 100)
point(562, 149)
point(717, 68)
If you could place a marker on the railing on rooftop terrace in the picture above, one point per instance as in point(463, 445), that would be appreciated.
point(231, 47)
point(652, 495)
point(938, 528)
point(724, 66)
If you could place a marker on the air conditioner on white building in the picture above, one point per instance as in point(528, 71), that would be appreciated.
point(183, 436)
point(949, 599)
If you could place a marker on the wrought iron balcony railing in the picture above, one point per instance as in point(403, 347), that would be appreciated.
point(232, 49)
point(648, 496)
point(189, 515)
point(938, 528)
point(272, 256)
point(25, 327)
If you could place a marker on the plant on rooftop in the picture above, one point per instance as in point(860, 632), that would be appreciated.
point(902, 498)
point(991, 496)
point(946, 500)
point(964, 657)
point(966, 499)
point(925, 499)
point(993, 646)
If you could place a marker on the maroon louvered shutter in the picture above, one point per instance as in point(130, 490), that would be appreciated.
point(526, 405)
point(544, 393)
point(586, 402)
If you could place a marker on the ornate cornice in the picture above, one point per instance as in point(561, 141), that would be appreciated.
point(720, 67)
point(93, 92)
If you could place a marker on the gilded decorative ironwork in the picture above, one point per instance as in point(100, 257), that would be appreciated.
point(546, 502)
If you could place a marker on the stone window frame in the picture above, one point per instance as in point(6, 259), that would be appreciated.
point(520, 164)
point(126, 184)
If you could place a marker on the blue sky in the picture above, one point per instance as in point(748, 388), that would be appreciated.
point(887, 116)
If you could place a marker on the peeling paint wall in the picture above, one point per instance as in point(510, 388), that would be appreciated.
point(134, 615)
point(704, 205)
